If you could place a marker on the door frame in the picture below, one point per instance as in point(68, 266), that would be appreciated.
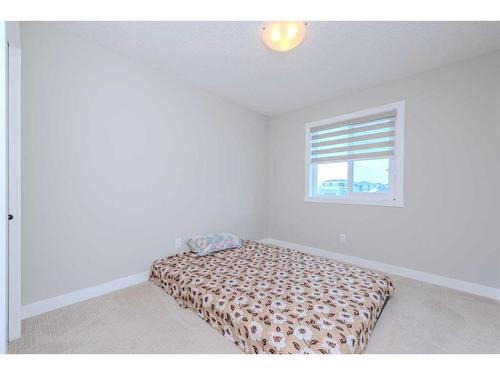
point(3, 190)
point(14, 179)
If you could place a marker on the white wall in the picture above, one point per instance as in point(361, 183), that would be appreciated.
point(450, 223)
point(119, 159)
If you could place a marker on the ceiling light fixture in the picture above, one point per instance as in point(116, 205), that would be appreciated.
point(283, 35)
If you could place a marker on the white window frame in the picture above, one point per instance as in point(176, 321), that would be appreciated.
point(396, 162)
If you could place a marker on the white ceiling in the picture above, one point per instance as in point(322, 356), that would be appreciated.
point(230, 60)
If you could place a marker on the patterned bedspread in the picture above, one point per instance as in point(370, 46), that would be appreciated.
point(268, 299)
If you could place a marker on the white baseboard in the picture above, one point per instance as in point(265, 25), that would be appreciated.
point(463, 286)
point(40, 307)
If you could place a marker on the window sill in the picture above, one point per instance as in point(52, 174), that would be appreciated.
point(357, 202)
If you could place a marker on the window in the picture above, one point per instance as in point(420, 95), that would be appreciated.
point(357, 158)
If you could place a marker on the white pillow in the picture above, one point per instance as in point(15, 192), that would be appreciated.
point(212, 242)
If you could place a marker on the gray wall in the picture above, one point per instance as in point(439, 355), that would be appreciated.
point(118, 160)
point(450, 223)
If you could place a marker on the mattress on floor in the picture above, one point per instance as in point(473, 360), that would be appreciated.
point(269, 299)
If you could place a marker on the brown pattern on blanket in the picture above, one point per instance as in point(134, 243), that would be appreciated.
point(268, 299)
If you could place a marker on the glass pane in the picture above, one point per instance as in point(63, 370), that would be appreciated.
point(331, 180)
point(370, 176)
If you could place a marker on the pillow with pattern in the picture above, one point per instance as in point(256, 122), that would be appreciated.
point(210, 243)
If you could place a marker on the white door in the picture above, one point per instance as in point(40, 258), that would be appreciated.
point(14, 190)
point(3, 189)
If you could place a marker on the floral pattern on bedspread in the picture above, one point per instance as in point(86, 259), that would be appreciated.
point(268, 299)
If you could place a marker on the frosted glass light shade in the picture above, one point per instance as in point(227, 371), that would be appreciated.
point(283, 35)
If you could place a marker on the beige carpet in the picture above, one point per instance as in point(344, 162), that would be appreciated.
point(419, 318)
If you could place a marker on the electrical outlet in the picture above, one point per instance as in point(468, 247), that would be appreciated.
point(342, 238)
point(178, 243)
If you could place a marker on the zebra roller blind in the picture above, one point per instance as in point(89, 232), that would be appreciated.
point(369, 137)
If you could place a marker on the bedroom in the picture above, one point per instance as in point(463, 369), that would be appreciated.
point(295, 198)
